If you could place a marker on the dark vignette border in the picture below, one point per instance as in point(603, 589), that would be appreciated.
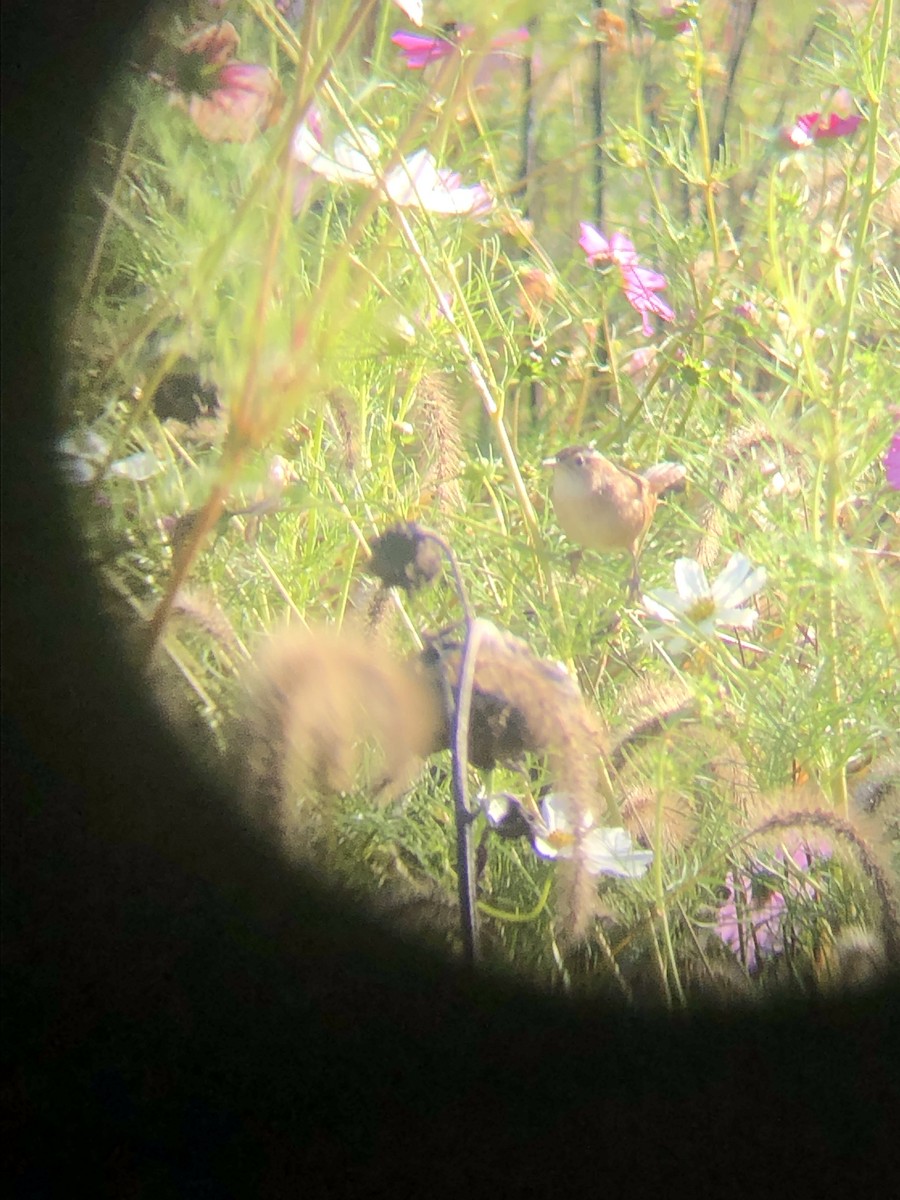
point(185, 1016)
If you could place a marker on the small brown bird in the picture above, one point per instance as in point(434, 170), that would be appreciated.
point(604, 507)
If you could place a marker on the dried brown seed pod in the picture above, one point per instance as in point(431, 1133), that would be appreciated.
point(405, 556)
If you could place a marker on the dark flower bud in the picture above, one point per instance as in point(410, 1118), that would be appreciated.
point(404, 556)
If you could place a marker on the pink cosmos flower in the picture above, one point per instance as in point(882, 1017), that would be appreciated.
point(640, 284)
point(228, 101)
point(750, 927)
point(748, 311)
point(418, 182)
point(619, 249)
point(810, 128)
point(420, 49)
point(751, 921)
point(674, 19)
point(640, 361)
point(892, 463)
point(247, 99)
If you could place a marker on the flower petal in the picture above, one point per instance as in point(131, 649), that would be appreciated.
point(562, 813)
point(738, 582)
point(612, 852)
point(664, 605)
point(356, 153)
point(420, 49)
point(545, 849)
point(742, 618)
point(622, 250)
point(247, 100)
point(690, 580)
point(594, 244)
point(418, 183)
point(838, 127)
point(306, 143)
point(644, 279)
point(892, 463)
point(414, 9)
point(497, 807)
point(731, 577)
point(751, 585)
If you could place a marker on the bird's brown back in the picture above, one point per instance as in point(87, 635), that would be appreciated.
point(598, 505)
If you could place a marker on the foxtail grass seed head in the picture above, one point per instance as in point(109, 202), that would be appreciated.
point(340, 713)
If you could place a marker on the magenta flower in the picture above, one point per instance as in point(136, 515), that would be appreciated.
point(619, 249)
point(810, 128)
point(640, 284)
point(674, 19)
point(247, 99)
point(420, 49)
point(751, 921)
point(750, 928)
point(892, 463)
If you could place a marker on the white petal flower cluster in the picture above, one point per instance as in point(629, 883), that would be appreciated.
point(415, 182)
point(554, 834)
point(607, 851)
point(697, 609)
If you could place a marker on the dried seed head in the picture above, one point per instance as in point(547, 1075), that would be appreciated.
point(404, 556)
point(520, 703)
point(203, 611)
point(340, 404)
point(441, 457)
point(185, 396)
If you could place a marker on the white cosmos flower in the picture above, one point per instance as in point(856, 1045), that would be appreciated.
point(415, 182)
point(696, 609)
point(606, 851)
point(354, 158)
point(414, 9)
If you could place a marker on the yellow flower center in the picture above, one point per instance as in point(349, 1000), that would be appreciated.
point(701, 609)
point(559, 838)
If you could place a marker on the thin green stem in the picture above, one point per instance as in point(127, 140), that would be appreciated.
point(709, 181)
point(833, 407)
point(490, 403)
point(519, 918)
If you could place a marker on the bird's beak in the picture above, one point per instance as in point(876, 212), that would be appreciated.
point(549, 462)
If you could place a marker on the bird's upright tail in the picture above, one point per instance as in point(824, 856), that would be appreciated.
point(665, 477)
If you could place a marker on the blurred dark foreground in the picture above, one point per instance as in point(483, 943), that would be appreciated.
point(183, 1015)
